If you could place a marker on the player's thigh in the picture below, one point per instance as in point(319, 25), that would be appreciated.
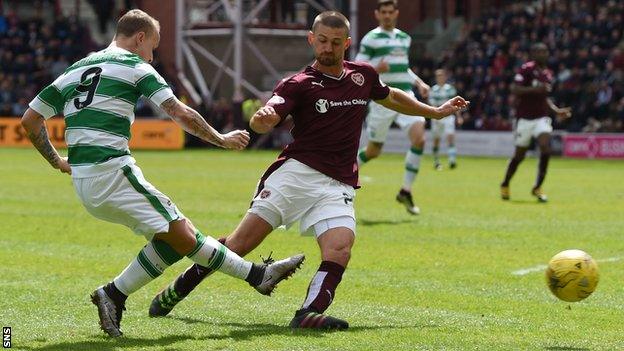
point(378, 122)
point(523, 132)
point(415, 128)
point(333, 209)
point(449, 125)
point(288, 193)
point(437, 129)
point(542, 126)
point(126, 198)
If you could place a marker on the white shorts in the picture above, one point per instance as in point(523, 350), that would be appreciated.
point(531, 128)
point(297, 192)
point(442, 127)
point(380, 119)
point(125, 197)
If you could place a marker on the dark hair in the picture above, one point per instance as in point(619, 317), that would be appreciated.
point(381, 3)
point(135, 21)
point(332, 19)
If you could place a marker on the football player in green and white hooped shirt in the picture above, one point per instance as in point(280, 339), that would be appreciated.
point(446, 126)
point(386, 48)
point(97, 96)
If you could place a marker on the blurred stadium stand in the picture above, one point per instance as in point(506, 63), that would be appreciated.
point(482, 43)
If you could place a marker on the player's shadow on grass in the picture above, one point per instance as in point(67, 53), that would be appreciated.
point(103, 343)
point(247, 331)
point(372, 223)
point(526, 202)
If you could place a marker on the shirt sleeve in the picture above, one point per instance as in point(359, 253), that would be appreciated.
point(522, 76)
point(49, 102)
point(284, 99)
point(379, 90)
point(152, 85)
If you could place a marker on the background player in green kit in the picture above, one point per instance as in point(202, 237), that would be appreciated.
point(97, 96)
point(445, 127)
point(386, 48)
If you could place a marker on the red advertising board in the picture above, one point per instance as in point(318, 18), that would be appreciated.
point(609, 146)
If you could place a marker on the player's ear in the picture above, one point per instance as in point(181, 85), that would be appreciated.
point(310, 37)
point(347, 43)
point(140, 38)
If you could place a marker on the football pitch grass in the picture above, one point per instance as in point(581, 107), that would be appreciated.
point(464, 275)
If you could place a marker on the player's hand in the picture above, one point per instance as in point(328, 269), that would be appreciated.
point(423, 90)
point(451, 106)
point(564, 113)
point(267, 117)
point(63, 165)
point(382, 66)
point(236, 139)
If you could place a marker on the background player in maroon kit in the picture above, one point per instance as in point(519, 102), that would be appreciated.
point(532, 84)
point(313, 180)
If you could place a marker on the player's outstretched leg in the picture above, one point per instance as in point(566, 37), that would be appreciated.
point(246, 237)
point(335, 247)
point(512, 166)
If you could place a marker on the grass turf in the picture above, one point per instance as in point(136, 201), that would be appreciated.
point(442, 280)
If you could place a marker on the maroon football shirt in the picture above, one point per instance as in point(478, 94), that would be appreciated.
point(533, 105)
point(328, 113)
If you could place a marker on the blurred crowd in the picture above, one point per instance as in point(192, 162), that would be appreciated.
point(586, 56)
point(33, 53)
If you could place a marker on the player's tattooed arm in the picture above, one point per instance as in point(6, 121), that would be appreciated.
point(192, 122)
point(35, 127)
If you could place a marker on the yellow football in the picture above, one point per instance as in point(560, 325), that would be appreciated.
point(572, 275)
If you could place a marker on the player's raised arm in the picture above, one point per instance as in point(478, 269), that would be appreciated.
point(400, 101)
point(35, 127)
point(192, 122)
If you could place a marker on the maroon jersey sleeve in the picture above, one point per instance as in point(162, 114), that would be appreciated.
point(523, 76)
point(379, 90)
point(284, 97)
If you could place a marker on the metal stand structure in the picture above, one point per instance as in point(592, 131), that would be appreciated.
point(239, 28)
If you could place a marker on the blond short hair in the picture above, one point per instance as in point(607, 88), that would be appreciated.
point(135, 21)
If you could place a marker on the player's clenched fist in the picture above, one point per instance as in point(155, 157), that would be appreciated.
point(236, 139)
point(264, 119)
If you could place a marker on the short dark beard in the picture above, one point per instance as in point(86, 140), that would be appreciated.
point(327, 61)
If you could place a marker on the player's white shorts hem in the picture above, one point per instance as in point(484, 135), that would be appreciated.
point(531, 128)
point(443, 127)
point(126, 198)
point(296, 192)
point(380, 119)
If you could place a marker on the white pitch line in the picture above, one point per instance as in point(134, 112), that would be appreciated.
point(541, 267)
